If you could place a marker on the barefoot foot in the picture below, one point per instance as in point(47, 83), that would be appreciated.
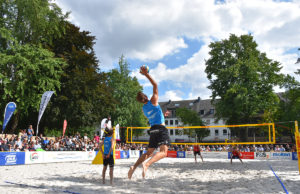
point(130, 172)
point(144, 170)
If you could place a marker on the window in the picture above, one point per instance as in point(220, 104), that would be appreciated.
point(211, 111)
point(216, 132)
point(224, 132)
point(177, 132)
point(177, 105)
point(171, 132)
point(167, 122)
point(171, 122)
point(176, 122)
point(201, 112)
point(208, 121)
point(191, 104)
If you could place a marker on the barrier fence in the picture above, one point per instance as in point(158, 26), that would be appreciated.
point(21, 158)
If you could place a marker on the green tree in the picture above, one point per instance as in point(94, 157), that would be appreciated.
point(84, 98)
point(242, 80)
point(128, 112)
point(31, 21)
point(26, 72)
point(191, 118)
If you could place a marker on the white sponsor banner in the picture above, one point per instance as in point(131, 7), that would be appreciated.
point(34, 157)
point(221, 155)
point(280, 155)
point(90, 155)
point(64, 156)
point(189, 154)
point(262, 155)
point(134, 153)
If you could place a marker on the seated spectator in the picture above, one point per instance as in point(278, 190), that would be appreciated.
point(277, 148)
point(37, 145)
point(282, 149)
point(31, 146)
point(4, 146)
point(288, 148)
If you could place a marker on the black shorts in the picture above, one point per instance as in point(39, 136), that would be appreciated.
point(198, 152)
point(158, 136)
point(109, 161)
point(235, 157)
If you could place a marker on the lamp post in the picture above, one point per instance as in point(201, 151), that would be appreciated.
point(298, 60)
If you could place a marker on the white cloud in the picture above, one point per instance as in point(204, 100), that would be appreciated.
point(149, 30)
point(171, 95)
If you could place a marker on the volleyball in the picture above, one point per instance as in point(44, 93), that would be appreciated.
point(144, 66)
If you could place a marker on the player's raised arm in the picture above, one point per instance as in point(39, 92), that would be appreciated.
point(154, 98)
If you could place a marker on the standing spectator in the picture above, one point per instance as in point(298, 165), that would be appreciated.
point(96, 138)
point(30, 132)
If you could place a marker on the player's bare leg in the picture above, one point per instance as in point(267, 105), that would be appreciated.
point(103, 174)
point(140, 161)
point(201, 157)
point(159, 155)
point(111, 174)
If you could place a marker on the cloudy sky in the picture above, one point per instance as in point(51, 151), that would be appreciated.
point(172, 36)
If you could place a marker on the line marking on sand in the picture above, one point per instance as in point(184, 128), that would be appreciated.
point(39, 187)
point(279, 179)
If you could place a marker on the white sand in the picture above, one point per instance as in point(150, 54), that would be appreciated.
point(170, 175)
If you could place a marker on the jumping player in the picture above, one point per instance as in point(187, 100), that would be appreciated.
point(235, 154)
point(159, 135)
point(197, 150)
point(108, 158)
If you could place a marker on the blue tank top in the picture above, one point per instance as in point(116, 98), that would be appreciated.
point(107, 145)
point(154, 114)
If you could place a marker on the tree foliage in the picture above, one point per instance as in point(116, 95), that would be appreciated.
point(128, 112)
point(84, 98)
point(191, 118)
point(26, 72)
point(243, 79)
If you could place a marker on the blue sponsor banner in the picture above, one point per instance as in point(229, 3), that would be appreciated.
point(180, 154)
point(124, 154)
point(12, 158)
point(9, 110)
point(229, 155)
point(294, 156)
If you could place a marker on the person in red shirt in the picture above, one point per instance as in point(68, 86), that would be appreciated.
point(235, 154)
point(197, 150)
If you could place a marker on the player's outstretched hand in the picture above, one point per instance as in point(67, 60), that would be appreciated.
point(144, 70)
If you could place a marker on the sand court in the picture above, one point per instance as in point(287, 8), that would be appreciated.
point(170, 175)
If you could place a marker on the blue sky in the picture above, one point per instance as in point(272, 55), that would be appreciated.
point(172, 36)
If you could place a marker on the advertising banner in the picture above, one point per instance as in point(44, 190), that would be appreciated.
point(134, 153)
point(189, 154)
point(262, 155)
point(180, 154)
point(124, 154)
point(12, 158)
point(8, 112)
point(117, 155)
point(244, 155)
point(44, 102)
point(294, 156)
point(172, 154)
point(34, 157)
point(64, 156)
point(281, 155)
point(214, 155)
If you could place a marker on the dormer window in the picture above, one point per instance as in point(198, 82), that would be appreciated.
point(177, 105)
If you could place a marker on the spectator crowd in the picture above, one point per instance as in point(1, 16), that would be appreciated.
point(26, 141)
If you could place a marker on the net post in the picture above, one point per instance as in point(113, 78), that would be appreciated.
point(297, 139)
point(127, 135)
point(131, 135)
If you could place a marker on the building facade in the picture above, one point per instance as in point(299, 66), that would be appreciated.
point(206, 112)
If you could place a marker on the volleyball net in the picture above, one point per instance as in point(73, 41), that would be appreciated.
point(263, 133)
